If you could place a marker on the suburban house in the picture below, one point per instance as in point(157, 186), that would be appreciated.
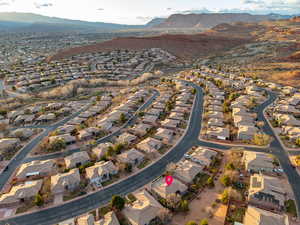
point(149, 145)
point(267, 192)
point(76, 159)
point(65, 181)
point(88, 133)
point(170, 124)
point(87, 219)
point(143, 210)
point(186, 171)
point(256, 216)
point(105, 125)
point(8, 143)
point(67, 138)
point(160, 187)
point(218, 133)
point(132, 157)
point(215, 122)
point(257, 162)
point(101, 172)
point(150, 119)
point(141, 129)
point(203, 156)
point(126, 138)
point(165, 135)
point(293, 133)
point(109, 218)
point(36, 168)
point(21, 192)
point(246, 132)
point(101, 149)
point(286, 119)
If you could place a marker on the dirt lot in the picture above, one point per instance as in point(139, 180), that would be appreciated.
point(203, 207)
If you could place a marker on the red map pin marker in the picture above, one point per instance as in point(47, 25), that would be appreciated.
point(169, 180)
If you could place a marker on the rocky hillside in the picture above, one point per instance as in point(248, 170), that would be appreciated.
point(183, 46)
point(205, 21)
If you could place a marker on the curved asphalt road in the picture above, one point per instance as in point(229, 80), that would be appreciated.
point(23, 152)
point(91, 201)
point(190, 138)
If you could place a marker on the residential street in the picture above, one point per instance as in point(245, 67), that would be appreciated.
point(146, 175)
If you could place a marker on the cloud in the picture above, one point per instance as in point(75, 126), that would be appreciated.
point(5, 3)
point(196, 11)
point(169, 9)
point(42, 5)
point(144, 18)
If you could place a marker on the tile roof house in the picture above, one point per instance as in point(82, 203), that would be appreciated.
point(286, 119)
point(256, 216)
point(243, 120)
point(267, 192)
point(101, 171)
point(215, 122)
point(218, 133)
point(203, 156)
point(77, 159)
point(8, 143)
point(292, 132)
point(126, 138)
point(101, 149)
point(246, 132)
point(186, 171)
point(164, 135)
point(65, 181)
point(21, 192)
point(171, 124)
point(132, 157)
point(257, 162)
point(215, 114)
point(37, 167)
point(141, 129)
point(88, 133)
point(67, 138)
point(160, 187)
point(109, 218)
point(150, 119)
point(87, 219)
point(143, 210)
point(149, 145)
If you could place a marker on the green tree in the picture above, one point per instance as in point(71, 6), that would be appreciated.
point(225, 180)
point(38, 200)
point(230, 166)
point(261, 139)
point(191, 223)
point(225, 197)
point(128, 168)
point(118, 148)
point(184, 205)
point(298, 141)
point(122, 118)
point(117, 202)
point(203, 222)
point(58, 145)
point(210, 182)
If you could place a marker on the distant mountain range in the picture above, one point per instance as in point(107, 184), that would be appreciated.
point(209, 20)
point(29, 22)
point(12, 21)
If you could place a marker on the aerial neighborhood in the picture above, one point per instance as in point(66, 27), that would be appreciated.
point(110, 129)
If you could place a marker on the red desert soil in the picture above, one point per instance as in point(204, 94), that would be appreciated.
point(182, 46)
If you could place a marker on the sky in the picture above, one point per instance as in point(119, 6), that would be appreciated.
point(142, 11)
